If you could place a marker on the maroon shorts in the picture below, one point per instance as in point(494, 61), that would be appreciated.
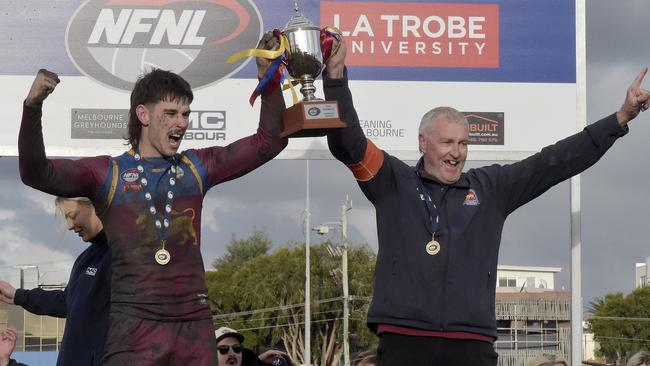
point(141, 342)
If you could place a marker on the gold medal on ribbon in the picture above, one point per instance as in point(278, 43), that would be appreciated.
point(432, 247)
point(163, 257)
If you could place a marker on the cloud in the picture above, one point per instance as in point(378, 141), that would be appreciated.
point(18, 251)
point(7, 215)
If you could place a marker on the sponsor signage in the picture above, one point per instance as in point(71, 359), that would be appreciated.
point(113, 124)
point(491, 59)
point(114, 41)
point(418, 34)
point(485, 128)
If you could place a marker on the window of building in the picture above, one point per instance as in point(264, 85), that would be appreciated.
point(507, 282)
point(41, 333)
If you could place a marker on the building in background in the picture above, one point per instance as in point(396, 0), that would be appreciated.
point(642, 270)
point(38, 337)
point(533, 318)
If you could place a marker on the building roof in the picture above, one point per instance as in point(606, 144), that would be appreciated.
point(503, 267)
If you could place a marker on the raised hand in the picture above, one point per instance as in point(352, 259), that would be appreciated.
point(43, 85)
point(270, 355)
point(7, 344)
point(637, 100)
point(7, 292)
point(268, 42)
point(336, 62)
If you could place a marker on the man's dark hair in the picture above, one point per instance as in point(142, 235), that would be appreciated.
point(153, 87)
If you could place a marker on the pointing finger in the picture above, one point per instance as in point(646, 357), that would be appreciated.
point(639, 78)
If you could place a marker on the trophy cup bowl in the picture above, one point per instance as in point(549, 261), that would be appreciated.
point(304, 62)
point(304, 57)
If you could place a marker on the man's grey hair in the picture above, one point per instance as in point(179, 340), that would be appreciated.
point(441, 113)
point(639, 358)
point(448, 114)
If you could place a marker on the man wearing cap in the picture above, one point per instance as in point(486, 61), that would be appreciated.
point(232, 353)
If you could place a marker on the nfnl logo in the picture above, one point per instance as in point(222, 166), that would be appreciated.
point(114, 41)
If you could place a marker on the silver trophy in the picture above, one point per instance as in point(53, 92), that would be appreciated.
point(304, 62)
point(304, 56)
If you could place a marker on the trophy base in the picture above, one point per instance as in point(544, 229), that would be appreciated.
point(311, 119)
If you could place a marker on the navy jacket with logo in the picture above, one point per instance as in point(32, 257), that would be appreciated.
point(453, 290)
point(84, 303)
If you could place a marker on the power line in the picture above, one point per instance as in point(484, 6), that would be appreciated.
point(277, 308)
point(272, 318)
point(619, 318)
point(289, 324)
point(631, 340)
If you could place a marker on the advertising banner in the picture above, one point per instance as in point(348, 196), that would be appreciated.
point(510, 66)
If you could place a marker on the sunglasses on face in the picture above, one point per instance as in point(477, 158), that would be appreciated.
point(225, 348)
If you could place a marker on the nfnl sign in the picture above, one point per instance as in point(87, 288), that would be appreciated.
point(115, 41)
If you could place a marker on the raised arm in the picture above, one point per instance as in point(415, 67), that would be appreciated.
point(529, 178)
point(248, 153)
point(36, 301)
point(61, 177)
point(349, 144)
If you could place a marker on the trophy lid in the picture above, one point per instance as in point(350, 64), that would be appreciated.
point(298, 21)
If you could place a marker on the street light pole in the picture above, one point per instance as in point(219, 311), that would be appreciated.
point(323, 229)
point(307, 351)
point(344, 259)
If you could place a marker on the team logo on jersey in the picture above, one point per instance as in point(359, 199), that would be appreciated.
point(115, 41)
point(131, 180)
point(91, 271)
point(471, 199)
point(130, 176)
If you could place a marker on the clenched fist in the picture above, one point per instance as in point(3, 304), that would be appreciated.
point(268, 42)
point(43, 85)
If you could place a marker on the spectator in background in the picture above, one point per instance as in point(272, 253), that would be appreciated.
point(85, 300)
point(7, 345)
point(231, 352)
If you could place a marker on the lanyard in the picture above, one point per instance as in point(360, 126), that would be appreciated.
point(162, 256)
point(432, 208)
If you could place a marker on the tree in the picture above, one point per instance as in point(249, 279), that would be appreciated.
point(262, 295)
point(620, 324)
point(240, 251)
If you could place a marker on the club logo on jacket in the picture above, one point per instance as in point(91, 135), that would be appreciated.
point(91, 271)
point(471, 199)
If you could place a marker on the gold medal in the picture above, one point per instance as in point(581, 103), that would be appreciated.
point(432, 247)
point(162, 257)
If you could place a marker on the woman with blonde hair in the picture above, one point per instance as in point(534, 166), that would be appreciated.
point(85, 300)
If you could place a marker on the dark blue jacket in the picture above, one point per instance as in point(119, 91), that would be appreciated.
point(84, 303)
point(453, 290)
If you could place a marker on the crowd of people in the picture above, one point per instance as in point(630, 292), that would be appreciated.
point(439, 227)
